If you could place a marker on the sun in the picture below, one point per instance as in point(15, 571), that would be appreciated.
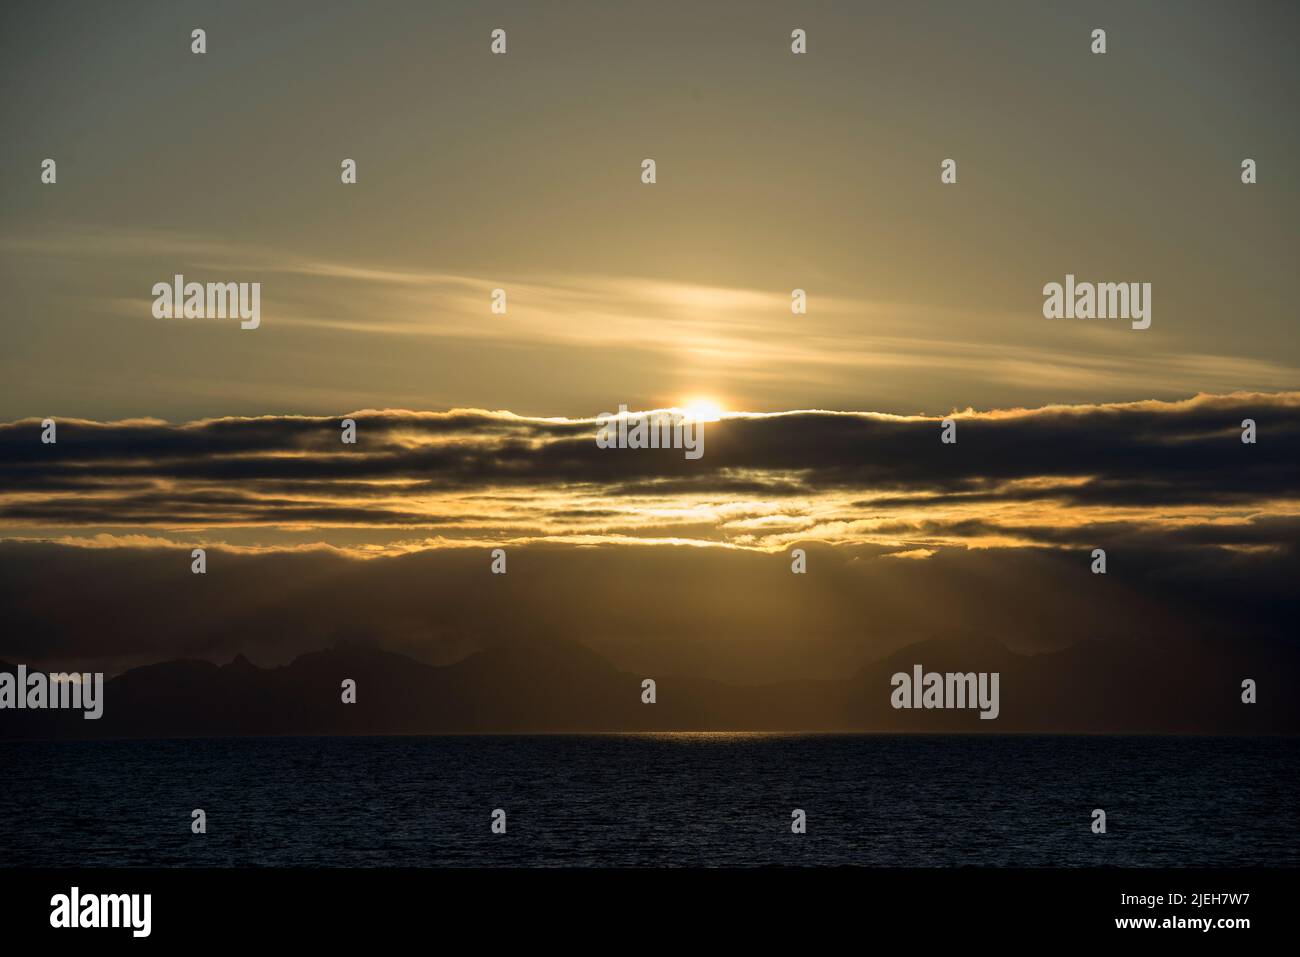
point(703, 409)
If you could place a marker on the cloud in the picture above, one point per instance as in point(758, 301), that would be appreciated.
point(1053, 476)
point(739, 340)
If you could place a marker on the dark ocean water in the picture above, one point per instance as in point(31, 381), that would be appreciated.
point(690, 800)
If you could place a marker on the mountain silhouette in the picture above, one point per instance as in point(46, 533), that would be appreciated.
point(561, 686)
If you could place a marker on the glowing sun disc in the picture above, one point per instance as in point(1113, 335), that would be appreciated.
point(703, 410)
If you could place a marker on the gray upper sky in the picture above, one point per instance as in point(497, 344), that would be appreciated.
point(522, 172)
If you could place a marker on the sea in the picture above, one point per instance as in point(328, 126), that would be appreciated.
point(653, 800)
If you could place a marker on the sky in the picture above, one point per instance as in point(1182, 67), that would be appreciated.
point(522, 172)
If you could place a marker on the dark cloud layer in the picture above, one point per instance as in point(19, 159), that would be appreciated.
point(294, 470)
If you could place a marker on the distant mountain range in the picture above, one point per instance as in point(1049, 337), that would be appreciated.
point(551, 687)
